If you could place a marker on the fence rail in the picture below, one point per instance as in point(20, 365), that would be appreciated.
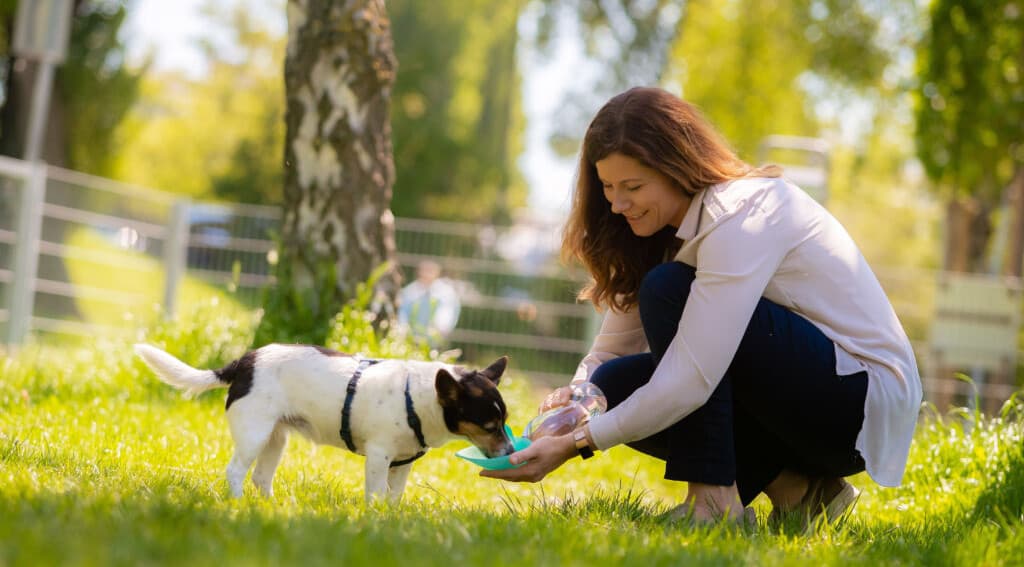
point(78, 251)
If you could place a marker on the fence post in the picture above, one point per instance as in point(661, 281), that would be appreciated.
point(175, 253)
point(26, 254)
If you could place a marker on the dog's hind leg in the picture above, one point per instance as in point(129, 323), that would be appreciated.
point(376, 470)
point(266, 463)
point(397, 476)
point(251, 434)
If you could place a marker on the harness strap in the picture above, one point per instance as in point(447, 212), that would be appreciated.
point(414, 423)
point(410, 410)
point(406, 461)
point(411, 417)
point(346, 410)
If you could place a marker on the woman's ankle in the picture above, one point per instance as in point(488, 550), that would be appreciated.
point(714, 500)
point(787, 490)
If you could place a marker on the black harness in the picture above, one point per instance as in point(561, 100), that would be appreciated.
point(410, 414)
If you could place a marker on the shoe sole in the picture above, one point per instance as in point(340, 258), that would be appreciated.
point(836, 511)
point(842, 503)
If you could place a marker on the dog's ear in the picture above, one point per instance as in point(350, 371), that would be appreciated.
point(447, 388)
point(495, 370)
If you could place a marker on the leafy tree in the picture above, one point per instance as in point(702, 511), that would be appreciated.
point(970, 108)
point(220, 135)
point(456, 111)
point(339, 69)
point(93, 90)
point(629, 41)
point(832, 69)
point(750, 78)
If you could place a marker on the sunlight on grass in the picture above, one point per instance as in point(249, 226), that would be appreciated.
point(102, 464)
point(140, 282)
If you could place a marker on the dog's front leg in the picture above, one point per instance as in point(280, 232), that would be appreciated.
point(396, 482)
point(377, 462)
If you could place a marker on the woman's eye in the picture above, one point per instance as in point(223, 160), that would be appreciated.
point(634, 188)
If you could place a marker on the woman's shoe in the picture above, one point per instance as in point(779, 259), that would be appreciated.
point(833, 497)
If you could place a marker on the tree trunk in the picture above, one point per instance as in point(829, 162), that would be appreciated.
point(339, 69)
point(968, 229)
point(1015, 236)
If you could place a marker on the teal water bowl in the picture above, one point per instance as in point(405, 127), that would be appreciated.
point(475, 456)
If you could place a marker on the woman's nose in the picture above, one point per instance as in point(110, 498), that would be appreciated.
point(619, 203)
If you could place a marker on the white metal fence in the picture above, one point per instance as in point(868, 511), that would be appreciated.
point(81, 255)
point(102, 252)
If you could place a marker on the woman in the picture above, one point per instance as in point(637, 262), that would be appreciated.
point(762, 356)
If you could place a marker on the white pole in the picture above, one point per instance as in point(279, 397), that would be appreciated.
point(40, 108)
point(26, 254)
point(175, 254)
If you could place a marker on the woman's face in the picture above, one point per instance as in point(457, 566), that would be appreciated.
point(647, 198)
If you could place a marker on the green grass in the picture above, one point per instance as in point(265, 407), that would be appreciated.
point(139, 278)
point(101, 464)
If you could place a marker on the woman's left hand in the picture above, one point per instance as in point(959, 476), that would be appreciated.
point(541, 457)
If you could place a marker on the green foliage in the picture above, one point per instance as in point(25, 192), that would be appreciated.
point(456, 120)
point(7, 9)
point(970, 96)
point(221, 135)
point(104, 464)
point(93, 87)
point(97, 87)
point(206, 335)
point(298, 313)
point(312, 314)
point(753, 80)
point(755, 67)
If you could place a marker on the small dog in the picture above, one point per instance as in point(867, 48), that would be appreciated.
point(391, 411)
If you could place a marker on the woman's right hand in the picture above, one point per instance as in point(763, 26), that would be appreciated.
point(560, 397)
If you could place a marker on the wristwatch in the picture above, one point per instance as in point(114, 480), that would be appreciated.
point(582, 445)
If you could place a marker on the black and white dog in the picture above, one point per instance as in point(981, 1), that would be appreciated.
point(391, 411)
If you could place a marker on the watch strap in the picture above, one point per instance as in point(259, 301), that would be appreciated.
point(582, 444)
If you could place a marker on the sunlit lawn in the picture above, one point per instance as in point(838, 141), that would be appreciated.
point(101, 464)
point(137, 281)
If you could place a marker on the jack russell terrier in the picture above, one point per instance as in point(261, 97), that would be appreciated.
point(391, 411)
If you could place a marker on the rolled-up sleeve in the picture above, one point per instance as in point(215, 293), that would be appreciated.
point(735, 261)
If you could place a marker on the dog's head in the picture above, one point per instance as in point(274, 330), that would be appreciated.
point(473, 407)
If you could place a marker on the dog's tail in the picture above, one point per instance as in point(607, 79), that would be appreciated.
point(178, 374)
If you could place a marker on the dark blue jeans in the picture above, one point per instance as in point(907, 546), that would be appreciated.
point(780, 405)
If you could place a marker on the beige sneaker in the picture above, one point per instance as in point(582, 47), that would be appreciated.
point(833, 497)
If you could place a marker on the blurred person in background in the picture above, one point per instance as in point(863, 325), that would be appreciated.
point(429, 306)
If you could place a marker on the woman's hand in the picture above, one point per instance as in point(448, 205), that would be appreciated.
point(556, 399)
point(541, 457)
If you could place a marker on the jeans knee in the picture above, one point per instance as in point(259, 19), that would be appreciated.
point(669, 281)
point(604, 376)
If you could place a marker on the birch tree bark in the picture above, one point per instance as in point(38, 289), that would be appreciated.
point(338, 227)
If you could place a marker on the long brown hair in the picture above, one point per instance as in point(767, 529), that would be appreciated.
point(666, 134)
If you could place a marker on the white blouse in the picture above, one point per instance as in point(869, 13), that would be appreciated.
point(764, 237)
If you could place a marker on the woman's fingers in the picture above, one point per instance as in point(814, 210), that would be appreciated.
point(540, 458)
point(556, 399)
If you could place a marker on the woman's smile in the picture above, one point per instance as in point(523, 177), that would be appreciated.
point(647, 199)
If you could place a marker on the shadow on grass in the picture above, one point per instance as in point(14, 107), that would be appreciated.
point(129, 529)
